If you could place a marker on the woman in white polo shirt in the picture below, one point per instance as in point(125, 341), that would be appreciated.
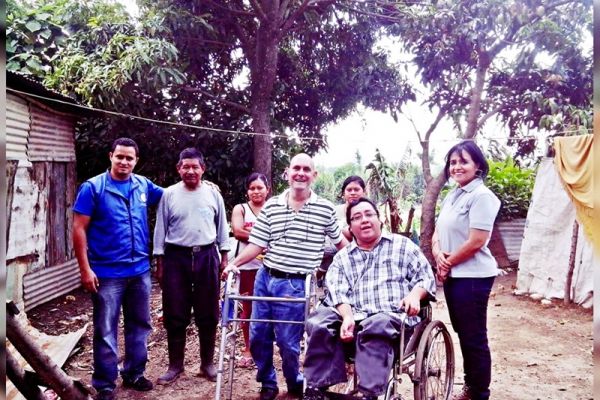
point(465, 264)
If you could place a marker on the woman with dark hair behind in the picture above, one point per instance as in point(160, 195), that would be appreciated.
point(465, 264)
point(243, 218)
point(353, 188)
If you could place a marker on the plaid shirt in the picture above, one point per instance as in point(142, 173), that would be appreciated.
point(377, 280)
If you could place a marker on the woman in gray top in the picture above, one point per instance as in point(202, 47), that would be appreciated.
point(465, 264)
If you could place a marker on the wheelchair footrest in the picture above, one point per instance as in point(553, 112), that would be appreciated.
point(341, 396)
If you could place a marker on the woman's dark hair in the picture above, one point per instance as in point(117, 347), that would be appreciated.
point(357, 202)
point(353, 178)
point(254, 176)
point(476, 154)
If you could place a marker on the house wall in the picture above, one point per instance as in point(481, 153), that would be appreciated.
point(41, 180)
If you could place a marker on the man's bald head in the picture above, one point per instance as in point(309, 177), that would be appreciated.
point(303, 157)
point(301, 172)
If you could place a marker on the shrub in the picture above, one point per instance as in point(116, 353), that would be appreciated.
point(513, 186)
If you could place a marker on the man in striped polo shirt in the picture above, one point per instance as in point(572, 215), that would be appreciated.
point(292, 227)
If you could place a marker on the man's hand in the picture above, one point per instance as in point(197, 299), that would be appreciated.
point(224, 261)
point(159, 271)
point(347, 329)
point(230, 268)
point(411, 304)
point(89, 280)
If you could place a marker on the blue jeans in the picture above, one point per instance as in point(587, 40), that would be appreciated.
point(287, 336)
point(133, 294)
point(467, 300)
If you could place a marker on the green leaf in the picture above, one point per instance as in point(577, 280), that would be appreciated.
point(46, 33)
point(33, 26)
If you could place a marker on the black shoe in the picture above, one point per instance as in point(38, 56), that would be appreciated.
point(106, 394)
point(296, 391)
point(170, 376)
point(209, 371)
point(141, 384)
point(268, 393)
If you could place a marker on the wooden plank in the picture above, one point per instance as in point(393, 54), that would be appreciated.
point(56, 234)
point(70, 200)
point(11, 170)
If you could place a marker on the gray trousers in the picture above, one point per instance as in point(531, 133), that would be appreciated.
point(376, 337)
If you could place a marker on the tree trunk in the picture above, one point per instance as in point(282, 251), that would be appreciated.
point(476, 95)
point(263, 146)
point(574, 238)
point(395, 219)
point(263, 72)
point(432, 192)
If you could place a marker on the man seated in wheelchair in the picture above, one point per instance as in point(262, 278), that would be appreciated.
point(376, 283)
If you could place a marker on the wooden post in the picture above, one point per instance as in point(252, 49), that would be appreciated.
point(46, 369)
point(21, 380)
point(408, 228)
point(574, 237)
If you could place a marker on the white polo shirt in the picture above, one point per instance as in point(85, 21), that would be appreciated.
point(473, 206)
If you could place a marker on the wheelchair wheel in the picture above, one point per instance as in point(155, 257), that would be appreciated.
point(434, 365)
point(391, 392)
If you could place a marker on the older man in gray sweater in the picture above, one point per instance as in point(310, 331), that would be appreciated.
point(191, 228)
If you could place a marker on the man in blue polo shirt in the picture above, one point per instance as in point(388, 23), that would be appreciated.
point(111, 243)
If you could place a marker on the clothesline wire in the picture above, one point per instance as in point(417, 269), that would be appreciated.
point(178, 124)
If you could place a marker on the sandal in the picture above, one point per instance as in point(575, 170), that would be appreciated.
point(246, 362)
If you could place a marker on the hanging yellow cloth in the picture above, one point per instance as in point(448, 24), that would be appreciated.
point(575, 165)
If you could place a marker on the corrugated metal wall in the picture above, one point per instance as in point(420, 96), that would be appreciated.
point(17, 127)
point(51, 137)
point(49, 283)
point(512, 237)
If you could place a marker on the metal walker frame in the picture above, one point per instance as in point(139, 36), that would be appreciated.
point(229, 326)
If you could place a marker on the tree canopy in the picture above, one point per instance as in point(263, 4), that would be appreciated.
point(284, 71)
point(520, 63)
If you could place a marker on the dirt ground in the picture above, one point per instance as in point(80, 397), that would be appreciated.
point(539, 351)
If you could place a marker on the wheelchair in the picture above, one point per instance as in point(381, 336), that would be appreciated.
point(427, 360)
point(230, 321)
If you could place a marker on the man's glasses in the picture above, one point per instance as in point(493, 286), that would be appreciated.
point(360, 217)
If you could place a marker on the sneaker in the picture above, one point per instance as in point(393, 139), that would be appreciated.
point(141, 384)
point(267, 393)
point(464, 394)
point(106, 394)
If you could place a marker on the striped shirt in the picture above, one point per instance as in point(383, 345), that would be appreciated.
point(295, 240)
point(376, 281)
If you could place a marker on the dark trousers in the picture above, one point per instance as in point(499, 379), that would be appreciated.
point(377, 337)
point(190, 281)
point(467, 300)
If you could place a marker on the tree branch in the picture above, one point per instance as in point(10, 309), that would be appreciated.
point(288, 23)
point(212, 96)
point(260, 12)
point(231, 10)
point(435, 123)
point(487, 116)
point(411, 120)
